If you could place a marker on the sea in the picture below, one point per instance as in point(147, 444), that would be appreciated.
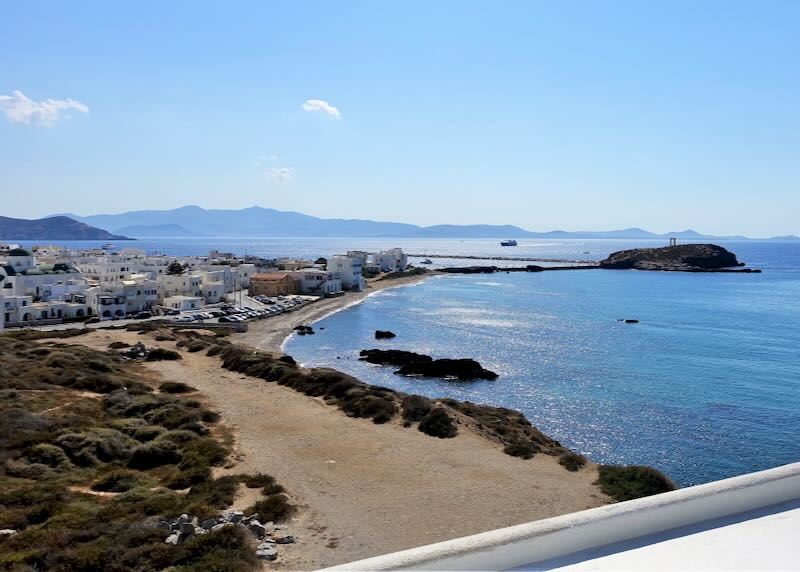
point(706, 385)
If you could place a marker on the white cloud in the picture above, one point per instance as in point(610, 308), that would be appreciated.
point(320, 105)
point(262, 159)
point(20, 109)
point(280, 174)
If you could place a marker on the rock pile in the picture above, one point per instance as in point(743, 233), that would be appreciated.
point(303, 330)
point(136, 351)
point(384, 335)
point(269, 534)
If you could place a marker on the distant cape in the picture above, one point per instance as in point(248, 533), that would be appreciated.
point(261, 222)
point(52, 228)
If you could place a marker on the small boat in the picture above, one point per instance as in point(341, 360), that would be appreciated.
point(427, 261)
point(511, 242)
point(107, 246)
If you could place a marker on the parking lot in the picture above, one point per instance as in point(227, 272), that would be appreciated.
point(229, 313)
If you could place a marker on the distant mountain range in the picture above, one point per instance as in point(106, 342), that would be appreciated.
point(259, 221)
point(52, 228)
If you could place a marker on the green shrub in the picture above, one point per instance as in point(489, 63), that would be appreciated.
point(572, 461)
point(103, 444)
point(266, 483)
point(438, 423)
point(522, 449)
point(633, 481)
point(175, 387)
point(118, 481)
point(155, 454)
point(415, 408)
point(47, 454)
point(164, 338)
point(275, 508)
point(195, 346)
point(159, 354)
point(214, 350)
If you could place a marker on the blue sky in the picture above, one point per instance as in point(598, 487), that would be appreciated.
point(571, 115)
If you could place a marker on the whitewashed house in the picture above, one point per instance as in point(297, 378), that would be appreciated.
point(318, 282)
point(350, 269)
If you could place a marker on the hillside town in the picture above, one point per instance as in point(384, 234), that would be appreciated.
point(47, 285)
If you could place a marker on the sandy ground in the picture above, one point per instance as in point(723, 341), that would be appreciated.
point(366, 489)
point(269, 334)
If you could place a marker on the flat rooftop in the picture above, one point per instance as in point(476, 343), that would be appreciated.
point(764, 539)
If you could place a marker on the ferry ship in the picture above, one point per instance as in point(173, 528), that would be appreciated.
point(511, 242)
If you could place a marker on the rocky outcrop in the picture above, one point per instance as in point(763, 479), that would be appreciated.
point(461, 369)
point(683, 258)
point(392, 357)
point(412, 363)
point(384, 335)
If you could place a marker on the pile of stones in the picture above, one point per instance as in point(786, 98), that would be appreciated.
point(269, 534)
point(304, 330)
point(136, 351)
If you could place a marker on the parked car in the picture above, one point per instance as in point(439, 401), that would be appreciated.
point(93, 320)
point(143, 315)
point(172, 312)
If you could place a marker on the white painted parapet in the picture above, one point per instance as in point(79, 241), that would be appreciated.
point(541, 541)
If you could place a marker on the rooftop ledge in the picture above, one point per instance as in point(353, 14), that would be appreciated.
point(746, 522)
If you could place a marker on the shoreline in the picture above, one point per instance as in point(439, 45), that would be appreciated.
point(361, 488)
point(272, 334)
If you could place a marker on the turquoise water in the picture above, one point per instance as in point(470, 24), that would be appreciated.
point(707, 386)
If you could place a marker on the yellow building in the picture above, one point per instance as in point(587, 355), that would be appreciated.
point(274, 284)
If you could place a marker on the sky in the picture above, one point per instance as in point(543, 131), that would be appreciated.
point(588, 115)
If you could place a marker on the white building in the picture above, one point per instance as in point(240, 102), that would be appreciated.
point(184, 303)
point(107, 301)
point(392, 260)
point(140, 292)
point(318, 282)
point(350, 269)
point(17, 309)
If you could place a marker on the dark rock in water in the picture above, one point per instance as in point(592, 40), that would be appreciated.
point(392, 357)
point(303, 330)
point(384, 335)
point(287, 359)
point(630, 321)
point(462, 369)
point(683, 258)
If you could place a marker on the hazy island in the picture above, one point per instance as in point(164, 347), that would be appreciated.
point(52, 228)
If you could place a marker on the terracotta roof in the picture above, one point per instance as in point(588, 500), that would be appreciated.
point(269, 276)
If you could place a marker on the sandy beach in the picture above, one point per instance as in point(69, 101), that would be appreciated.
point(270, 333)
point(364, 489)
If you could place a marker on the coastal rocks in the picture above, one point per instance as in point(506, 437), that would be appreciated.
point(384, 335)
point(269, 535)
point(414, 364)
point(267, 550)
point(304, 330)
point(628, 320)
point(392, 357)
point(136, 351)
point(683, 258)
point(461, 369)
